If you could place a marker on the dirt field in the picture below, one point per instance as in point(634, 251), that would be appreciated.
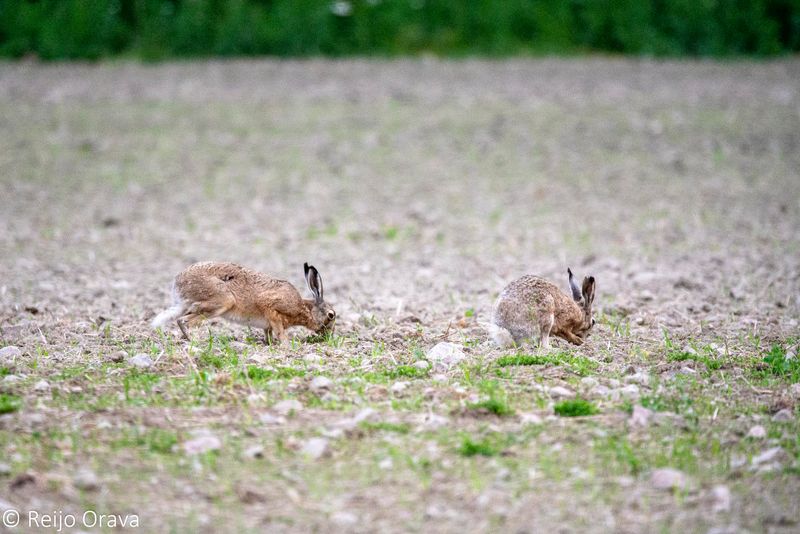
point(419, 189)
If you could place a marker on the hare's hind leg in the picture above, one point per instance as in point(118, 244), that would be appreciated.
point(200, 311)
point(545, 325)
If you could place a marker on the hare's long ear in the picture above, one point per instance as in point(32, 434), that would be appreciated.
point(314, 281)
point(588, 290)
point(573, 286)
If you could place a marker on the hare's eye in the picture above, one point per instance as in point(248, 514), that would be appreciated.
point(331, 314)
point(593, 321)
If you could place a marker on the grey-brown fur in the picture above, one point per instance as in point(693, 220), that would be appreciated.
point(208, 289)
point(532, 307)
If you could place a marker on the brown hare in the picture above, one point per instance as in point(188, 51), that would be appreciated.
point(207, 289)
point(531, 306)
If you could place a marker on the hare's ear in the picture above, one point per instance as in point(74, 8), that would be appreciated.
point(314, 281)
point(588, 289)
point(573, 286)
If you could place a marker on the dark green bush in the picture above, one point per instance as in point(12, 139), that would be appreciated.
point(153, 29)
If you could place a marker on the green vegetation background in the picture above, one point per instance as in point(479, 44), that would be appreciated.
point(155, 29)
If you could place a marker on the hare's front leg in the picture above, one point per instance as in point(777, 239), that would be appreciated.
point(546, 321)
point(276, 328)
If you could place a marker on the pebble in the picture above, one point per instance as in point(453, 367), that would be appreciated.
point(399, 387)
point(320, 383)
point(344, 518)
point(640, 416)
point(422, 365)
point(794, 389)
point(530, 419)
point(669, 479)
point(444, 355)
point(140, 361)
point(204, 442)
point(561, 392)
point(757, 432)
point(41, 385)
point(316, 448)
point(386, 464)
point(287, 406)
point(783, 416)
point(720, 499)
point(10, 379)
point(256, 451)
point(269, 419)
point(116, 357)
point(312, 357)
point(9, 354)
point(86, 480)
point(589, 382)
point(5, 470)
point(630, 392)
point(769, 455)
point(638, 378)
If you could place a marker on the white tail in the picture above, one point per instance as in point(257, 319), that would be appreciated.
point(501, 337)
point(167, 315)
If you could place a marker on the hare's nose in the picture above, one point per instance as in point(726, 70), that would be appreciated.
point(331, 315)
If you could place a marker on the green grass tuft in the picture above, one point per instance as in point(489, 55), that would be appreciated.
point(259, 374)
point(575, 408)
point(9, 403)
point(484, 447)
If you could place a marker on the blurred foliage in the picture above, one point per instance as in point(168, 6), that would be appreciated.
point(154, 29)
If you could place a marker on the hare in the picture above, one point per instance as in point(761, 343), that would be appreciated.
point(531, 305)
point(207, 289)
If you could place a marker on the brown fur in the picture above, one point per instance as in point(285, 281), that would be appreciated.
point(206, 290)
point(531, 306)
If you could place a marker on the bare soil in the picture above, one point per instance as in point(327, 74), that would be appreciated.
point(419, 189)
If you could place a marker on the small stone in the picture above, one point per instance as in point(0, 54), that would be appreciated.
point(10, 379)
point(794, 389)
point(589, 382)
point(640, 416)
point(398, 387)
point(204, 442)
point(444, 355)
point(41, 385)
point(116, 357)
point(86, 480)
point(140, 361)
point(270, 419)
point(316, 448)
point(256, 451)
point(638, 378)
point(439, 377)
point(527, 418)
point(320, 383)
point(601, 391)
point(630, 392)
point(386, 464)
point(288, 406)
point(5, 470)
point(769, 455)
point(560, 392)
point(432, 421)
point(757, 432)
point(720, 499)
point(9, 354)
point(365, 414)
point(342, 518)
point(312, 357)
point(669, 479)
point(422, 365)
point(783, 416)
